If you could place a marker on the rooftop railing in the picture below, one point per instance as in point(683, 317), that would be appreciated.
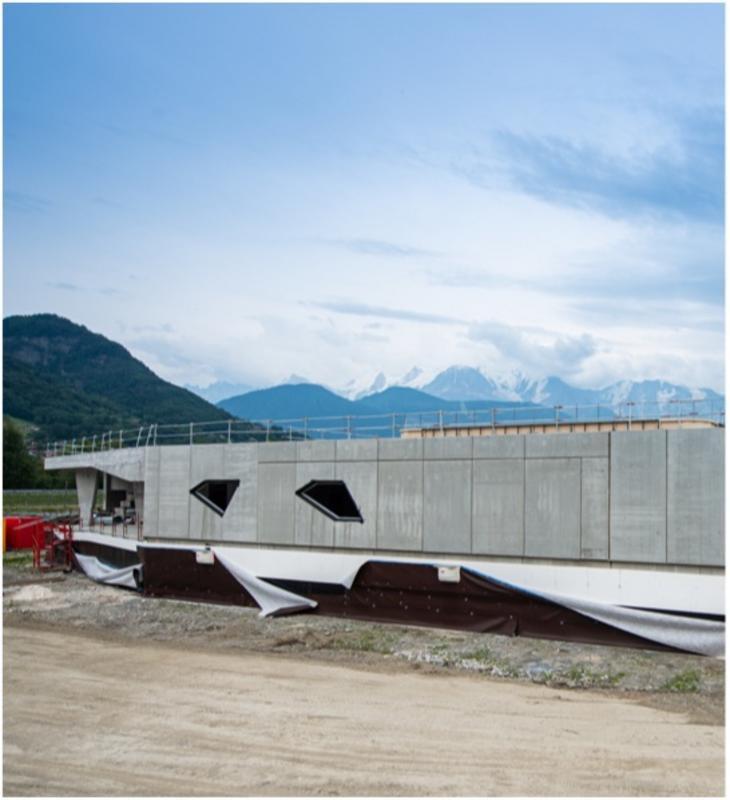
point(388, 425)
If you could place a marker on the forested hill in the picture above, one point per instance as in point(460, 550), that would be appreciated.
point(68, 381)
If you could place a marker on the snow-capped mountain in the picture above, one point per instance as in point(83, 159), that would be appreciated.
point(356, 389)
point(463, 383)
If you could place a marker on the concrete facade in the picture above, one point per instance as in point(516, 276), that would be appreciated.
point(647, 497)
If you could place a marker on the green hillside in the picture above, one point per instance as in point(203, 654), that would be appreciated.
point(68, 381)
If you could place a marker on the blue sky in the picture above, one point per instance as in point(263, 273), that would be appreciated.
point(243, 192)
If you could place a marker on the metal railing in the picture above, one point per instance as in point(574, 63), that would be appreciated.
point(387, 425)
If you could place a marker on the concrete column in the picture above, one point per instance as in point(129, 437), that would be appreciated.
point(86, 492)
point(139, 499)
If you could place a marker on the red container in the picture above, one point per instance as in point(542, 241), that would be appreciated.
point(19, 532)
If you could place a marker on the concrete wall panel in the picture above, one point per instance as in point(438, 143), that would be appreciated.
point(240, 520)
point(447, 506)
point(447, 448)
point(356, 450)
point(567, 445)
point(174, 497)
point(361, 479)
point(552, 507)
point(312, 527)
point(400, 449)
point(277, 451)
point(276, 485)
point(400, 505)
point(498, 507)
point(639, 496)
point(696, 497)
point(206, 463)
point(152, 490)
point(594, 508)
point(499, 447)
point(316, 451)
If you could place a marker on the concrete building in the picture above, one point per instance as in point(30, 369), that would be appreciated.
point(600, 515)
point(650, 497)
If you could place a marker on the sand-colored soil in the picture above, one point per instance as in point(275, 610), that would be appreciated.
point(85, 714)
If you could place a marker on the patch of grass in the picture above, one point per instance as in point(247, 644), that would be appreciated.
point(47, 500)
point(367, 641)
point(482, 654)
point(545, 677)
point(686, 681)
point(488, 662)
point(586, 678)
point(18, 558)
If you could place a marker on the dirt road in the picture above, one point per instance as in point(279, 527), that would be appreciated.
point(86, 715)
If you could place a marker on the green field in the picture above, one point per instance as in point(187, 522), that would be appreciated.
point(38, 502)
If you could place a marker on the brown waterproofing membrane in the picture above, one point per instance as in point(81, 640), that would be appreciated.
point(176, 573)
point(409, 594)
point(112, 556)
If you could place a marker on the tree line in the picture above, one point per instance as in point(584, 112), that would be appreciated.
point(22, 469)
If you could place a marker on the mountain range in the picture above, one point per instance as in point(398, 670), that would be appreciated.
point(472, 383)
point(379, 414)
point(455, 387)
point(62, 380)
point(291, 401)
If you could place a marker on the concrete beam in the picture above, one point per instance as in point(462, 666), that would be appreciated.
point(127, 463)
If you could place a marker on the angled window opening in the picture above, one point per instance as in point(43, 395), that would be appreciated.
point(332, 498)
point(215, 494)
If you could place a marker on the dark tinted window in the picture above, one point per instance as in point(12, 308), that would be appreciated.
point(331, 498)
point(215, 494)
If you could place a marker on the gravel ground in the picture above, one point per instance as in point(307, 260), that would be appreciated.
point(692, 685)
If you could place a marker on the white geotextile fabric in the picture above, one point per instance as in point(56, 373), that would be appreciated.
point(271, 599)
point(102, 573)
point(702, 636)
